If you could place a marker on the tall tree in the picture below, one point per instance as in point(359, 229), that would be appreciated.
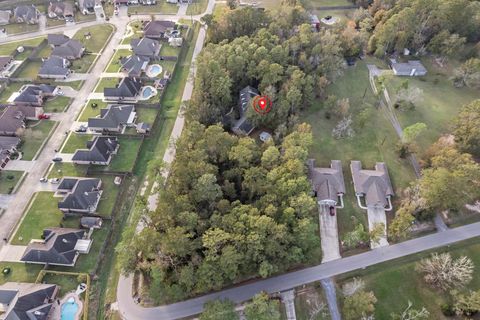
point(219, 310)
point(262, 308)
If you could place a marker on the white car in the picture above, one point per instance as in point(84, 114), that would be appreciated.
point(55, 180)
point(60, 93)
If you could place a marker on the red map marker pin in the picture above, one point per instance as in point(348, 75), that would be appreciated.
point(262, 104)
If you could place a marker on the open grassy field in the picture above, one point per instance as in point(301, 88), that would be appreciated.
point(162, 7)
point(8, 180)
point(373, 142)
point(34, 136)
point(89, 111)
point(57, 104)
point(115, 65)
point(75, 141)
point(9, 47)
point(106, 83)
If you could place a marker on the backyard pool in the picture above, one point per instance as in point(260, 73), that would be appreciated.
point(154, 70)
point(69, 309)
point(148, 92)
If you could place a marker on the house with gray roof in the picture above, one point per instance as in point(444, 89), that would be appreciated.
point(372, 185)
point(80, 195)
point(127, 90)
point(26, 14)
point(242, 126)
point(146, 47)
point(5, 17)
point(13, 118)
point(62, 10)
point(86, 6)
point(8, 145)
point(71, 50)
point(60, 247)
point(34, 95)
point(54, 68)
point(99, 151)
point(134, 65)
point(158, 29)
point(27, 301)
point(54, 39)
point(114, 118)
point(327, 183)
point(412, 68)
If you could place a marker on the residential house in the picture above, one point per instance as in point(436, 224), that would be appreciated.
point(5, 62)
point(26, 14)
point(158, 29)
point(114, 118)
point(373, 185)
point(412, 68)
point(134, 65)
point(61, 10)
point(242, 126)
point(128, 90)
point(13, 118)
point(147, 2)
point(80, 195)
point(91, 222)
point(5, 17)
point(54, 68)
point(60, 247)
point(327, 183)
point(143, 128)
point(54, 40)
point(146, 48)
point(71, 50)
point(99, 151)
point(34, 95)
point(86, 6)
point(27, 301)
point(8, 145)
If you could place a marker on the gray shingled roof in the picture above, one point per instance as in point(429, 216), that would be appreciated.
point(145, 47)
point(375, 184)
point(61, 8)
point(7, 143)
point(4, 17)
point(134, 64)
point(54, 66)
point(33, 301)
point(157, 28)
point(128, 87)
point(99, 149)
point(246, 94)
point(57, 39)
point(407, 67)
point(112, 117)
point(327, 182)
point(83, 194)
point(91, 222)
point(13, 118)
point(31, 93)
point(71, 48)
point(58, 247)
point(26, 12)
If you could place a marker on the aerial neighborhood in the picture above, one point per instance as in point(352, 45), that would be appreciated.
point(241, 159)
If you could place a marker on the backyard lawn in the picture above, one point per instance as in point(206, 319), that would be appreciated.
point(124, 160)
point(162, 7)
point(29, 70)
point(373, 142)
point(115, 65)
point(90, 112)
point(147, 115)
point(99, 36)
point(57, 104)
point(45, 52)
point(75, 141)
point(8, 48)
point(83, 65)
point(20, 272)
point(168, 50)
point(168, 66)
point(11, 88)
point(34, 137)
point(109, 195)
point(341, 15)
point(67, 169)
point(67, 283)
point(107, 83)
point(8, 180)
point(327, 3)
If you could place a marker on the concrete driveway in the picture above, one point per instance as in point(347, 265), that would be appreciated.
point(329, 235)
point(377, 215)
point(11, 253)
point(5, 200)
point(20, 165)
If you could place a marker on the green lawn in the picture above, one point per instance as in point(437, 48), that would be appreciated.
point(67, 169)
point(11, 88)
point(45, 52)
point(83, 65)
point(34, 136)
point(84, 17)
point(197, 7)
point(441, 102)
point(221, 8)
point(8, 48)
point(42, 214)
point(8, 180)
point(168, 50)
point(124, 160)
point(161, 7)
point(375, 142)
point(147, 115)
point(115, 65)
point(20, 272)
point(75, 141)
point(89, 112)
point(15, 28)
point(77, 85)
point(100, 34)
point(168, 66)
point(57, 104)
point(107, 83)
point(109, 195)
point(55, 22)
point(67, 283)
point(29, 70)
point(341, 15)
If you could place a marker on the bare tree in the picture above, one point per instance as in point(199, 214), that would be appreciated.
point(411, 314)
point(316, 306)
point(353, 286)
point(343, 129)
point(409, 97)
point(443, 272)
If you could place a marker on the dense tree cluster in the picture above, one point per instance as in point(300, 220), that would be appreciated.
point(231, 209)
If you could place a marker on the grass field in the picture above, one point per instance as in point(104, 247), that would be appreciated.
point(34, 136)
point(89, 111)
point(115, 65)
point(8, 48)
point(161, 7)
point(374, 142)
point(100, 34)
point(57, 104)
point(107, 83)
point(75, 141)
point(8, 180)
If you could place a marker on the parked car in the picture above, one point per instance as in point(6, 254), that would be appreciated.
point(55, 180)
point(43, 180)
point(60, 93)
point(57, 159)
point(81, 129)
point(43, 116)
point(332, 210)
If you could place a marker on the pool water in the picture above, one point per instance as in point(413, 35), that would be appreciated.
point(147, 92)
point(155, 69)
point(69, 310)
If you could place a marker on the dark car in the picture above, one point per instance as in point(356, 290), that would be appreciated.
point(57, 159)
point(81, 129)
point(332, 210)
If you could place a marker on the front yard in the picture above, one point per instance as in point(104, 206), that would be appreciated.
point(76, 141)
point(57, 104)
point(16, 28)
point(20, 272)
point(67, 169)
point(8, 180)
point(106, 83)
point(34, 137)
point(11, 88)
point(98, 39)
point(89, 111)
point(115, 65)
point(197, 7)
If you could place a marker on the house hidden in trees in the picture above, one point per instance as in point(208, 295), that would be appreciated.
point(99, 151)
point(80, 195)
point(127, 90)
point(13, 119)
point(158, 29)
point(61, 247)
point(27, 301)
point(412, 68)
point(242, 126)
point(114, 118)
point(34, 95)
point(373, 185)
point(54, 68)
point(26, 14)
point(327, 183)
point(8, 145)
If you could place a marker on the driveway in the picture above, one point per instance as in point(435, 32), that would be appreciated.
point(20, 165)
point(11, 253)
point(5, 200)
point(288, 299)
point(375, 216)
point(329, 235)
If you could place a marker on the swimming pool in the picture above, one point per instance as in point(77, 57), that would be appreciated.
point(154, 70)
point(147, 92)
point(69, 309)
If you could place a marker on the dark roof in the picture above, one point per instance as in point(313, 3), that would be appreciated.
point(57, 39)
point(58, 247)
point(54, 66)
point(327, 182)
point(86, 4)
point(27, 12)
point(7, 143)
point(375, 184)
point(13, 118)
point(246, 94)
point(91, 222)
point(61, 8)
point(112, 117)
point(145, 47)
point(134, 64)
point(99, 149)
point(71, 48)
point(128, 87)
point(34, 301)
point(31, 93)
point(4, 61)
point(83, 194)
point(157, 27)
